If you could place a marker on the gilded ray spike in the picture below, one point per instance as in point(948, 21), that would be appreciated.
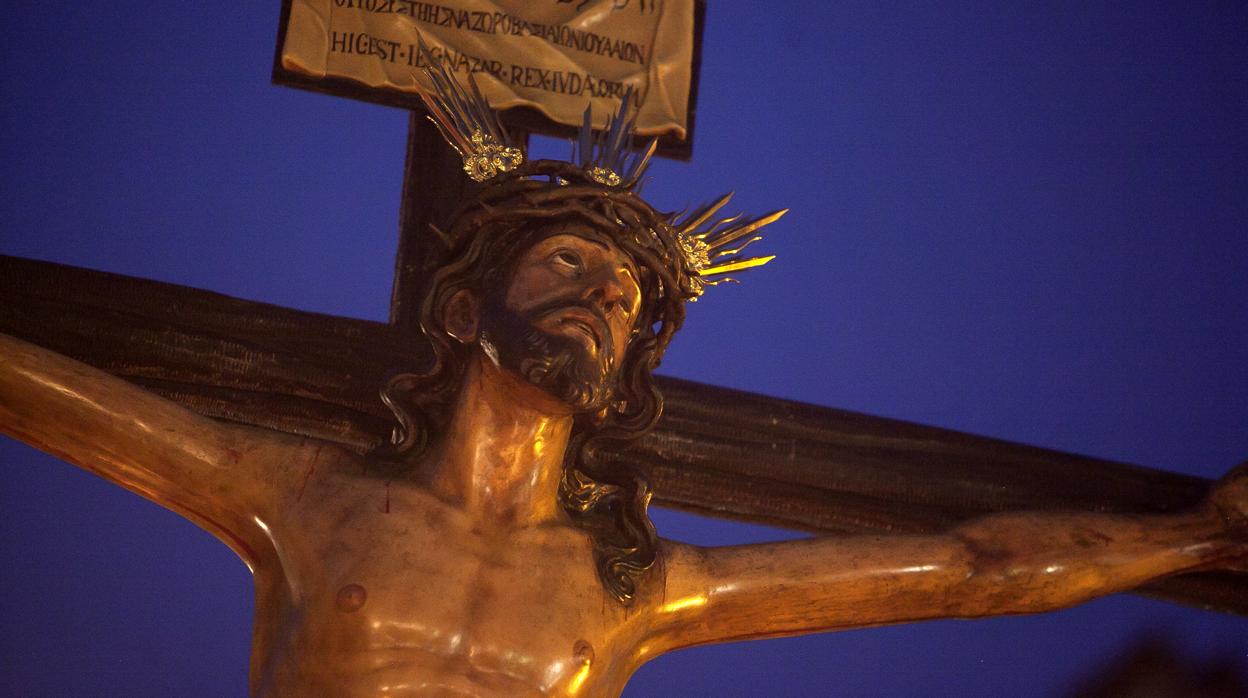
point(441, 117)
point(586, 138)
point(703, 214)
point(706, 247)
point(639, 165)
point(607, 156)
point(738, 249)
point(733, 234)
point(718, 229)
point(465, 119)
point(610, 140)
point(736, 266)
point(467, 122)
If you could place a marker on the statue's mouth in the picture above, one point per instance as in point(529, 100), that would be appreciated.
point(583, 322)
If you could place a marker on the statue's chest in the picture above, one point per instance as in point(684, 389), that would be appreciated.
point(425, 595)
point(458, 586)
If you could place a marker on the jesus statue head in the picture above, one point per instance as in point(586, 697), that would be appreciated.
point(575, 288)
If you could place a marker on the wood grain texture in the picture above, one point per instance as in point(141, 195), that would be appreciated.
point(227, 358)
point(716, 451)
point(433, 184)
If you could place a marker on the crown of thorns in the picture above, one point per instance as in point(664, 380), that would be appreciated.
point(709, 248)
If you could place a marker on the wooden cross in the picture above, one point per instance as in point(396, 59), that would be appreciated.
point(762, 460)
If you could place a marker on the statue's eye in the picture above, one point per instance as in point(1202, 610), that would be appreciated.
point(567, 258)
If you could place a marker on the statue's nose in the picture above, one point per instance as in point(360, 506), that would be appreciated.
point(606, 290)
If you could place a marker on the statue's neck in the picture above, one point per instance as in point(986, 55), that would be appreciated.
point(501, 457)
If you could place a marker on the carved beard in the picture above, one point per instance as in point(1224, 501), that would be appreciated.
point(561, 366)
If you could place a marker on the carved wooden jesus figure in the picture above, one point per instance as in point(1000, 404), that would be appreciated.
point(490, 550)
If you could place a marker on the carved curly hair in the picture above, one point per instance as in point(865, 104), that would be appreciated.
point(487, 235)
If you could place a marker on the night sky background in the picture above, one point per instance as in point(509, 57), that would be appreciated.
point(1028, 221)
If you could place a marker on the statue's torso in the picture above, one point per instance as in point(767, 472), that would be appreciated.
point(386, 590)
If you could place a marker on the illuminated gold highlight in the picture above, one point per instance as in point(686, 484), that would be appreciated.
point(685, 603)
point(469, 125)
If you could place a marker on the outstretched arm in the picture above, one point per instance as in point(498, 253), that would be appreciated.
point(219, 476)
point(996, 565)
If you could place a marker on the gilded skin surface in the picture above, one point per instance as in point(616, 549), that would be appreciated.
point(454, 571)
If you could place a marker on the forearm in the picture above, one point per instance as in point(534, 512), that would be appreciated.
point(1003, 564)
point(804, 586)
point(1024, 563)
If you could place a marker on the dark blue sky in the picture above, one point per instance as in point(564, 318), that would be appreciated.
point(1025, 222)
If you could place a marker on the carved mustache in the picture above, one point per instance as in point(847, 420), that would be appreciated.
point(581, 313)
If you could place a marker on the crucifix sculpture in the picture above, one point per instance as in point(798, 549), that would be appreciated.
point(556, 295)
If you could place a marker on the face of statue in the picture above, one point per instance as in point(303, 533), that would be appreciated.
point(565, 320)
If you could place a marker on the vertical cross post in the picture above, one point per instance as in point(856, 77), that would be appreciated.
point(433, 185)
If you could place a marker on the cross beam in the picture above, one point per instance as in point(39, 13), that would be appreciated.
point(716, 451)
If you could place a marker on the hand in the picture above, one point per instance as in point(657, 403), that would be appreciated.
point(1229, 498)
